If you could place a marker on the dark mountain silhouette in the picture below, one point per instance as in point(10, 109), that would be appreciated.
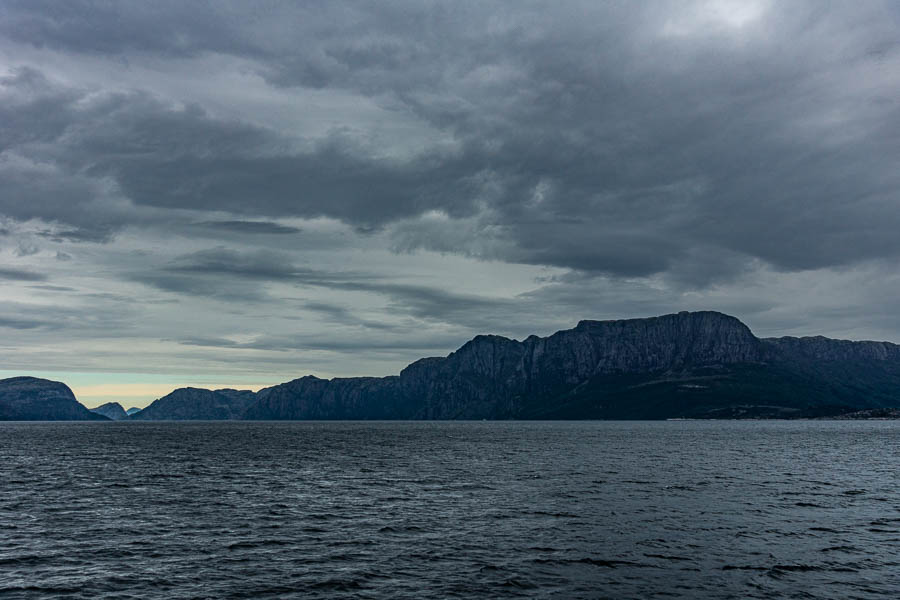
point(197, 404)
point(33, 399)
point(111, 410)
point(685, 365)
point(688, 365)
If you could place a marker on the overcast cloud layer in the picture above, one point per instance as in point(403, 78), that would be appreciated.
point(264, 190)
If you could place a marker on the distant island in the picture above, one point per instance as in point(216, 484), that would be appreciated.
point(685, 365)
point(112, 411)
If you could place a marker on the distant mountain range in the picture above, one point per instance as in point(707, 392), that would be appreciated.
point(685, 365)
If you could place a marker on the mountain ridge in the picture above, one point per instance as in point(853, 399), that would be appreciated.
point(687, 364)
point(681, 365)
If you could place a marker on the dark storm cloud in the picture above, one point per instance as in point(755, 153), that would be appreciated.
point(608, 138)
point(53, 288)
point(20, 323)
point(36, 182)
point(339, 314)
point(262, 265)
point(231, 275)
point(331, 343)
point(172, 157)
point(175, 29)
point(209, 342)
point(79, 235)
point(249, 227)
point(113, 321)
point(20, 275)
point(202, 287)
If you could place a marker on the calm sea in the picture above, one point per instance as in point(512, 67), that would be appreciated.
point(684, 509)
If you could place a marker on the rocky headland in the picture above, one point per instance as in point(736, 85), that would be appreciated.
point(34, 399)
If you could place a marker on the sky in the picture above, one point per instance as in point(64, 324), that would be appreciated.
point(238, 194)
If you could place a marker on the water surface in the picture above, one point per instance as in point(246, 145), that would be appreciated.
point(690, 509)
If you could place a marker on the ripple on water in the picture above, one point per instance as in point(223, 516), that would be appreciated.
point(464, 510)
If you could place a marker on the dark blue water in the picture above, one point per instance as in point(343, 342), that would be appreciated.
point(450, 510)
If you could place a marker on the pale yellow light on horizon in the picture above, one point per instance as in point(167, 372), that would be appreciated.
point(141, 394)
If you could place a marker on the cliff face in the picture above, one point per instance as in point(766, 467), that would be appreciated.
point(824, 349)
point(340, 398)
point(667, 342)
point(111, 410)
point(33, 399)
point(197, 404)
point(863, 375)
point(494, 377)
point(702, 364)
